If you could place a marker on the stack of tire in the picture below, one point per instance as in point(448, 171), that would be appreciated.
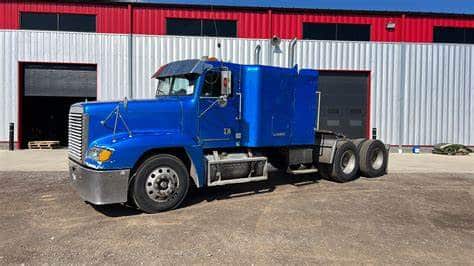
point(354, 158)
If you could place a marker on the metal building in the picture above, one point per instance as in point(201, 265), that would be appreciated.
point(408, 75)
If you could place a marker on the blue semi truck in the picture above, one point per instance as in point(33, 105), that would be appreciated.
point(211, 123)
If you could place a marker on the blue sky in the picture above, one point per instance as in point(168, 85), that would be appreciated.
point(435, 6)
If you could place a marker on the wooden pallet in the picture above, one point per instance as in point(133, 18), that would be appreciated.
point(43, 145)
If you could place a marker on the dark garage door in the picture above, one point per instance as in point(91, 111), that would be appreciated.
point(344, 102)
point(48, 92)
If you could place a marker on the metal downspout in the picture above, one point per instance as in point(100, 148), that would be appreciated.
point(402, 96)
point(401, 99)
point(130, 52)
point(291, 52)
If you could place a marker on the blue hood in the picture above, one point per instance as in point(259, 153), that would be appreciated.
point(157, 116)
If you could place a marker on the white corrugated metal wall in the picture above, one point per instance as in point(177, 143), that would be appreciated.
point(108, 51)
point(438, 95)
point(420, 93)
point(151, 52)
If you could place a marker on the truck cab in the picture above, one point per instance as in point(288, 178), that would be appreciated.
point(211, 123)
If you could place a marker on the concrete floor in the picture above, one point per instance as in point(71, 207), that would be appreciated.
point(419, 213)
point(33, 160)
point(56, 160)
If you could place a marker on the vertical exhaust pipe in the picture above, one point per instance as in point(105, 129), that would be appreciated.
point(291, 53)
point(258, 48)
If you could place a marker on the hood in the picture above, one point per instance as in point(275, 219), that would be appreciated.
point(155, 116)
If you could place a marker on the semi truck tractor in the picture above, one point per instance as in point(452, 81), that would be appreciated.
point(211, 123)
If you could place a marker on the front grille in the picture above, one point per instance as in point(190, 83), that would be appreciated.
point(76, 136)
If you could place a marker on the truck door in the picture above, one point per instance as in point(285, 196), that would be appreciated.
point(218, 114)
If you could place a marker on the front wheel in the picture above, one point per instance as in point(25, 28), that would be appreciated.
point(161, 184)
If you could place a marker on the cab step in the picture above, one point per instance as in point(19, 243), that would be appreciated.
point(233, 168)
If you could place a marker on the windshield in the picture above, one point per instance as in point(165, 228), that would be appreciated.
point(176, 85)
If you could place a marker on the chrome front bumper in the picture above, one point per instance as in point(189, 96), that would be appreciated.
point(99, 186)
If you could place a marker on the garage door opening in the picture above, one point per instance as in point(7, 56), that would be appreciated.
point(345, 102)
point(47, 92)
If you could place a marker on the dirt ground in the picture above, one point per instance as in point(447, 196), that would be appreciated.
point(400, 218)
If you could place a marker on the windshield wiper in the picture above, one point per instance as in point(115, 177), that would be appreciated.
point(160, 93)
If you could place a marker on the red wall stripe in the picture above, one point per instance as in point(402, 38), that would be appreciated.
point(110, 18)
point(289, 25)
point(152, 20)
point(114, 18)
point(420, 29)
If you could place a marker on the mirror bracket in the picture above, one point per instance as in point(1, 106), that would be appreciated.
point(222, 100)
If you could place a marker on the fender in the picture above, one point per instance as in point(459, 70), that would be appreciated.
point(127, 150)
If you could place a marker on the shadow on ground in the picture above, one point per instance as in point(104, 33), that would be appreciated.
point(208, 194)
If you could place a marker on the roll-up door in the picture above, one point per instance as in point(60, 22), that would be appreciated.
point(344, 102)
point(63, 80)
point(47, 92)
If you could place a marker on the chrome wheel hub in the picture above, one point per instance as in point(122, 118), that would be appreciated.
point(348, 162)
point(377, 159)
point(162, 184)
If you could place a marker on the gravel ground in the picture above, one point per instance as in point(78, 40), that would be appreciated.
point(400, 218)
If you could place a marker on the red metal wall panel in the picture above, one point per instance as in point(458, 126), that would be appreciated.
point(289, 25)
point(152, 20)
point(110, 18)
point(114, 18)
point(420, 29)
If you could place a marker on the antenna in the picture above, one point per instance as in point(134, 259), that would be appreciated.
point(219, 57)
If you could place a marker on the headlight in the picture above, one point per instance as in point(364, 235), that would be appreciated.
point(99, 154)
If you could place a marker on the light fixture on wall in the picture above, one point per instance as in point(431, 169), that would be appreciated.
point(275, 41)
point(390, 26)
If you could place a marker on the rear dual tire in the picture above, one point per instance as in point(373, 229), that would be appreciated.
point(345, 166)
point(358, 143)
point(373, 158)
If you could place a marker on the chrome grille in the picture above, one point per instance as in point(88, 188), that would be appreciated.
point(76, 136)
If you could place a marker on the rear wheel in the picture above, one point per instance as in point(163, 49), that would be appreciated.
point(373, 158)
point(345, 164)
point(358, 143)
point(161, 184)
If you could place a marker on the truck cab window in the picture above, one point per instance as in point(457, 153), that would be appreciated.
point(183, 86)
point(164, 86)
point(212, 84)
point(176, 86)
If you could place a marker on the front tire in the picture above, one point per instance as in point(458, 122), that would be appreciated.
point(161, 184)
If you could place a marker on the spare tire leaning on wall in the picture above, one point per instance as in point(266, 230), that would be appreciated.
point(373, 158)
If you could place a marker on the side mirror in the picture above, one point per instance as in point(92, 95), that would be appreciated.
point(226, 82)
